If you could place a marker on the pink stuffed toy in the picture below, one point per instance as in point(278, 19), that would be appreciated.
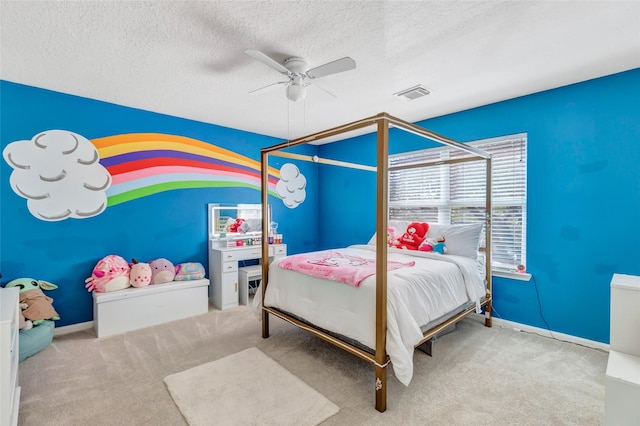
point(140, 274)
point(391, 236)
point(428, 244)
point(110, 273)
point(413, 237)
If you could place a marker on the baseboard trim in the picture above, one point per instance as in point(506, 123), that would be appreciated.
point(67, 329)
point(545, 333)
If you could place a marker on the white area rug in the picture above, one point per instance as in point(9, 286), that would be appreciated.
point(246, 388)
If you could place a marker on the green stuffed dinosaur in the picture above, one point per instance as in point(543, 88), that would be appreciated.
point(39, 307)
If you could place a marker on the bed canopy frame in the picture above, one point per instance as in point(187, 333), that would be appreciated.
point(383, 121)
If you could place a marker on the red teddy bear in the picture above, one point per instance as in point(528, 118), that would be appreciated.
point(413, 237)
point(236, 226)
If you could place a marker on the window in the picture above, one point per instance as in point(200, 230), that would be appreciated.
point(454, 193)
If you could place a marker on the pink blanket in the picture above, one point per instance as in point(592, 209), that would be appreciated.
point(336, 266)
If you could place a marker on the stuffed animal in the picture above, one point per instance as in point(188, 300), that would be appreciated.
point(23, 323)
point(435, 245)
point(236, 225)
point(140, 274)
point(427, 244)
point(391, 236)
point(440, 246)
point(111, 273)
point(162, 271)
point(413, 236)
point(39, 307)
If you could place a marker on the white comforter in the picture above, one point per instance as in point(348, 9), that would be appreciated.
point(436, 285)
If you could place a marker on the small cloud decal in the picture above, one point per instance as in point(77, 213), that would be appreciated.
point(291, 186)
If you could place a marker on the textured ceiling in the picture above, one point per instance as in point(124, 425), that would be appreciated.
point(186, 58)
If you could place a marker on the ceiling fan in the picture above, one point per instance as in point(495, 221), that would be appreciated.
point(298, 73)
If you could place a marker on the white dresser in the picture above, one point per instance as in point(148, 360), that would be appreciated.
point(9, 389)
point(223, 270)
point(622, 380)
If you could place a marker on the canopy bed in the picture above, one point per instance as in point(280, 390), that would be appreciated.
point(410, 296)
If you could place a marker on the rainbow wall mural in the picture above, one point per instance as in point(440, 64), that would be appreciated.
point(143, 164)
point(64, 175)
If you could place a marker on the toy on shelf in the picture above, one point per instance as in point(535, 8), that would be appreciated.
point(140, 274)
point(413, 236)
point(237, 225)
point(162, 271)
point(110, 273)
point(39, 307)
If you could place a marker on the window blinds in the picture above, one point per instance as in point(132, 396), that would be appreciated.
point(454, 193)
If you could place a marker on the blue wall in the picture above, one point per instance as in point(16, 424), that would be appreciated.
point(170, 224)
point(583, 196)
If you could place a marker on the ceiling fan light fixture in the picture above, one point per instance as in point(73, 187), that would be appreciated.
point(295, 92)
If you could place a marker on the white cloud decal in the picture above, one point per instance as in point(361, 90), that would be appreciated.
point(59, 174)
point(291, 186)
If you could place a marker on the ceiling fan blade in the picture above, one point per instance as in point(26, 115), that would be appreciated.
point(339, 65)
point(267, 60)
point(261, 89)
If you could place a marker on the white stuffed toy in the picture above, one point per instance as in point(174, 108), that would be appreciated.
point(24, 324)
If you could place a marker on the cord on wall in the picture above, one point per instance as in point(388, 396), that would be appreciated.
point(535, 286)
point(495, 312)
point(542, 332)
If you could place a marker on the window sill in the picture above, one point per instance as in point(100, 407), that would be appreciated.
point(512, 275)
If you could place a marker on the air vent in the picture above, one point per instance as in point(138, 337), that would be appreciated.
point(412, 93)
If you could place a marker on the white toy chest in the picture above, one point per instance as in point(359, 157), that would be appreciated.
point(134, 308)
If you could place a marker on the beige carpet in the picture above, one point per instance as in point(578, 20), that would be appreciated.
point(246, 388)
point(477, 376)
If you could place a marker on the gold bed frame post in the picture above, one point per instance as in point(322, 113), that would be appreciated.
point(381, 264)
point(487, 260)
point(264, 158)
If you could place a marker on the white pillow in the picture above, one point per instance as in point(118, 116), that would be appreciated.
point(399, 225)
point(461, 240)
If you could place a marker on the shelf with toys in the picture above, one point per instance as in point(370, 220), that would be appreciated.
point(128, 296)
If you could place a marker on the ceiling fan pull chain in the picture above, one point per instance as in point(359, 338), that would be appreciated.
point(288, 122)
